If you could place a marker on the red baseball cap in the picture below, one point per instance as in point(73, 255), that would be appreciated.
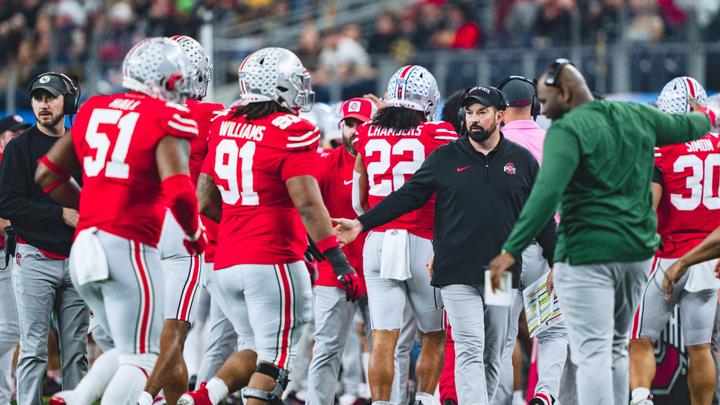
point(358, 108)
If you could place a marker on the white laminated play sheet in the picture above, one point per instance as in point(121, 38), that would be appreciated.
point(541, 309)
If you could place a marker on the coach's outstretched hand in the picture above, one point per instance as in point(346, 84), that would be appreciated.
point(498, 265)
point(672, 275)
point(344, 273)
point(347, 230)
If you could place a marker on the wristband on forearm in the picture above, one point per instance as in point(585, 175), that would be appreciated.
point(326, 244)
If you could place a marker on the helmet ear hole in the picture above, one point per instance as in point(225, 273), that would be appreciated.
point(282, 89)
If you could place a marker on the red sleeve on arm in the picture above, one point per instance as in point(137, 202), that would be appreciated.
point(180, 195)
point(302, 163)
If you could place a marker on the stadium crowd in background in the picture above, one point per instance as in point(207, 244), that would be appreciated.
point(68, 33)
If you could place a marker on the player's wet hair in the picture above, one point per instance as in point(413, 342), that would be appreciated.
point(399, 118)
point(255, 111)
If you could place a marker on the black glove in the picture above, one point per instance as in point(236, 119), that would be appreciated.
point(344, 273)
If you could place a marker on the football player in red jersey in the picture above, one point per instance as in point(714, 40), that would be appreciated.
point(258, 180)
point(390, 149)
point(182, 270)
point(133, 151)
point(333, 313)
point(686, 196)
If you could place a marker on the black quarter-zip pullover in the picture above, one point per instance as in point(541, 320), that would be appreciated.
point(479, 198)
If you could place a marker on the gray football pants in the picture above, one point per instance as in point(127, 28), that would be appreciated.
point(478, 342)
point(353, 374)
point(598, 302)
point(552, 343)
point(333, 322)
point(223, 341)
point(43, 286)
point(9, 330)
point(408, 335)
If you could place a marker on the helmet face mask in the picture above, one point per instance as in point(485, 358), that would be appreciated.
point(159, 68)
point(275, 74)
point(202, 68)
point(414, 87)
point(673, 98)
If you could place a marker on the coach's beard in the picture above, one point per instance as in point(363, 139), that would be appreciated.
point(480, 134)
point(53, 123)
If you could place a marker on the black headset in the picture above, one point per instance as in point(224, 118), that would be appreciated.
point(71, 93)
point(461, 109)
point(536, 107)
point(553, 73)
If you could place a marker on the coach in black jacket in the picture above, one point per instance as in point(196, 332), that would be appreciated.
point(482, 181)
point(44, 235)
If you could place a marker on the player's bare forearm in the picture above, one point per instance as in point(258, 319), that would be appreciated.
point(209, 197)
point(53, 173)
point(172, 156)
point(362, 182)
point(305, 194)
point(707, 249)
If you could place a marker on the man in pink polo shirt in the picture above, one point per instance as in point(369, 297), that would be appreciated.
point(520, 127)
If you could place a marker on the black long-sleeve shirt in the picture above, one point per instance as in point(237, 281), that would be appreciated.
point(479, 199)
point(37, 218)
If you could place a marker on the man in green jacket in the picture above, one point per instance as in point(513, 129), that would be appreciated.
point(597, 165)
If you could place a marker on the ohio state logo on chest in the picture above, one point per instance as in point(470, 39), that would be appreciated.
point(509, 168)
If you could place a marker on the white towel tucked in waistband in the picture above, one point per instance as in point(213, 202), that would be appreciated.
point(395, 260)
point(88, 258)
point(702, 277)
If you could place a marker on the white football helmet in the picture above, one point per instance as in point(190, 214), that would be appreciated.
point(673, 98)
point(202, 74)
point(159, 68)
point(413, 87)
point(275, 74)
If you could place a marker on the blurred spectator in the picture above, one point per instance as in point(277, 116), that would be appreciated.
point(430, 22)
point(116, 35)
point(646, 24)
point(464, 33)
point(309, 47)
point(386, 33)
point(520, 24)
point(602, 19)
point(553, 23)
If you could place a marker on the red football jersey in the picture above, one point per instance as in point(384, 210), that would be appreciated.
point(689, 207)
point(203, 113)
point(250, 162)
point(115, 138)
point(335, 180)
point(391, 157)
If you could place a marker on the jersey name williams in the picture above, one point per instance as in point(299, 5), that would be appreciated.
point(381, 131)
point(240, 130)
point(701, 145)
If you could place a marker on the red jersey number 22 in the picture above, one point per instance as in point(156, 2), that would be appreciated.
point(116, 167)
point(227, 155)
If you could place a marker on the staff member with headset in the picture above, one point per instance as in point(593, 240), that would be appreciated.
point(520, 127)
point(482, 181)
point(598, 168)
point(44, 232)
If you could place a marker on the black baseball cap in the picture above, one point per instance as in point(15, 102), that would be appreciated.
point(13, 123)
point(518, 93)
point(486, 95)
point(51, 83)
